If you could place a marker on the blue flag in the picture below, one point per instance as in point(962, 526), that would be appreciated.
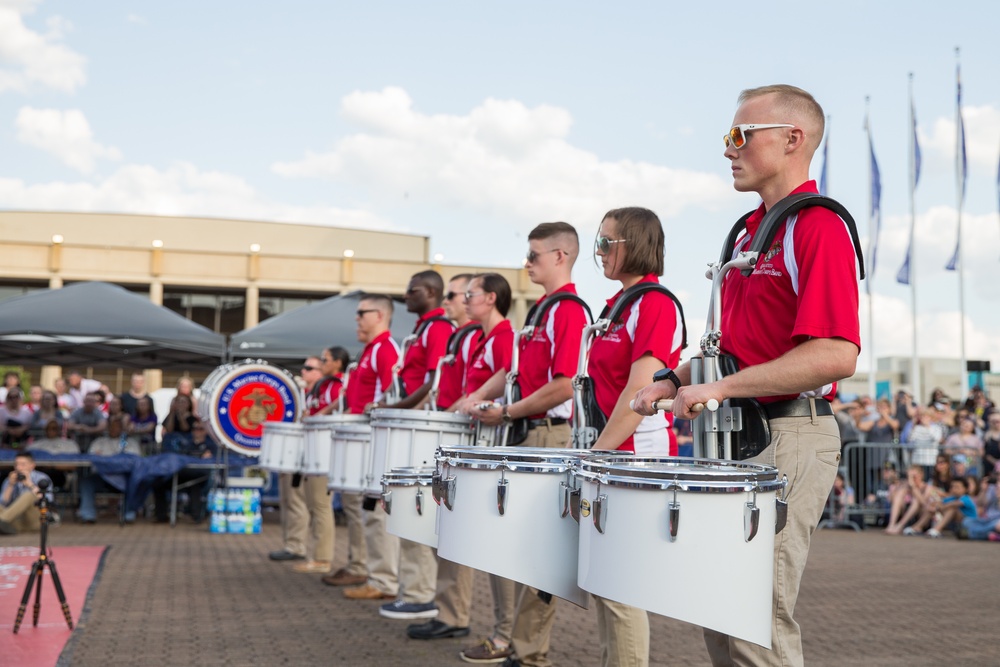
point(875, 213)
point(822, 173)
point(903, 276)
point(961, 164)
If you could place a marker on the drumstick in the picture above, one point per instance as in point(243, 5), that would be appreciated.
point(667, 405)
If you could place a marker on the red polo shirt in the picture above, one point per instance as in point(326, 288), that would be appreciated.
point(553, 350)
point(650, 325)
point(326, 393)
point(491, 354)
point(373, 376)
point(804, 287)
point(423, 354)
point(452, 384)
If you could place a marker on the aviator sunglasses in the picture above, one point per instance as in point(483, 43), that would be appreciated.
point(738, 136)
point(533, 256)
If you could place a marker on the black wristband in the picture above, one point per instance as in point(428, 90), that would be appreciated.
point(667, 374)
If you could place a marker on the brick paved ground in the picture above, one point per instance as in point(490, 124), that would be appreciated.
point(182, 596)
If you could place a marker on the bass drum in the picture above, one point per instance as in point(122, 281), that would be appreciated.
point(237, 399)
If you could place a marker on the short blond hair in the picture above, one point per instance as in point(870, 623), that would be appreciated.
point(797, 103)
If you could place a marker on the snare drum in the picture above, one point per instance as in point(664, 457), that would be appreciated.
point(692, 539)
point(281, 447)
point(410, 438)
point(409, 506)
point(318, 453)
point(506, 511)
point(350, 459)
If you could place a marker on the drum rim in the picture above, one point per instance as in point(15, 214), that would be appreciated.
point(514, 459)
point(326, 421)
point(281, 426)
point(635, 473)
point(391, 414)
point(415, 476)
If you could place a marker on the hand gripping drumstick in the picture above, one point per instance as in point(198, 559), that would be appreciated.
point(667, 405)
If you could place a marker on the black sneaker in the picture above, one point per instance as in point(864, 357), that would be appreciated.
point(284, 555)
point(435, 630)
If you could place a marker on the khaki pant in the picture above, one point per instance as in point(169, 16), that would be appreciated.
point(357, 547)
point(454, 593)
point(294, 514)
point(504, 604)
point(418, 572)
point(807, 450)
point(533, 621)
point(624, 634)
point(22, 513)
point(320, 506)
point(383, 553)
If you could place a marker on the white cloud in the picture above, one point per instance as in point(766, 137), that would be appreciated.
point(181, 189)
point(29, 59)
point(136, 19)
point(64, 134)
point(982, 135)
point(502, 159)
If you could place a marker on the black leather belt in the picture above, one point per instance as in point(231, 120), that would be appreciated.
point(798, 407)
point(548, 421)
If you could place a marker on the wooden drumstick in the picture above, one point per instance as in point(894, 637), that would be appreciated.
point(667, 405)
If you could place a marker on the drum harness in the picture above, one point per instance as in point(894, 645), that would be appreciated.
point(450, 356)
point(397, 391)
point(588, 420)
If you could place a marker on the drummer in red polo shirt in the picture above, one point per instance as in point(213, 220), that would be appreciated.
point(366, 387)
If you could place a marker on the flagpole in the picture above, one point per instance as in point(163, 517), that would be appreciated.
point(959, 265)
point(911, 250)
point(871, 245)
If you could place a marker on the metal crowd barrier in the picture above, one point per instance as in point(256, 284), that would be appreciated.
point(862, 465)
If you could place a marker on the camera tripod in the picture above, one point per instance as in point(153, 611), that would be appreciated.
point(37, 569)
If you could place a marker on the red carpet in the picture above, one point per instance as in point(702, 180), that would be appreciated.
point(40, 646)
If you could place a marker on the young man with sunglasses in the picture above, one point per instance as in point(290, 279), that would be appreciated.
point(368, 384)
point(417, 565)
point(548, 362)
point(792, 326)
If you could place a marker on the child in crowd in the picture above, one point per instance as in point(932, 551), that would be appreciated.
point(883, 495)
point(953, 508)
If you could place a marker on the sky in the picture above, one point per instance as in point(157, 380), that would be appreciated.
point(471, 122)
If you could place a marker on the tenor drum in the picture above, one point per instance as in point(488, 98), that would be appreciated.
point(351, 454)
point(653, 529)
point(517, 497)
point(318, 453)
point(281, 447)
point(410, 438)
point(238, 399)
point(409, 505)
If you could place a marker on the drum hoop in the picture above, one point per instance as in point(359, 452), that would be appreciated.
point(685, 484)
point(512, 466)
point(393, 416)
point(275, 426)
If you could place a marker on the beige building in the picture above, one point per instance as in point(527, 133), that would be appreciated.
point(227, 275)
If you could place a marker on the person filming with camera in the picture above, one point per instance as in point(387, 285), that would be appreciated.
point(20, 493)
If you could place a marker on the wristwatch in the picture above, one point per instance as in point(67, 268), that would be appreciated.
point(667, 374)
point(507, 419)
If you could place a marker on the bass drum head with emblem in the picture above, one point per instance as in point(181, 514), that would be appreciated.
point(242, 397)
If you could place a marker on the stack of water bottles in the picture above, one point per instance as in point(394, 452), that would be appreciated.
point(235, 510)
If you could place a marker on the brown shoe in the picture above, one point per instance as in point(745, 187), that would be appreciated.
point(484, 653)
point(312, 566)
point(366, 592)
point(343, 578)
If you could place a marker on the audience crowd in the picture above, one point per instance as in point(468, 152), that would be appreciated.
point(81, 416)
point(918, 469)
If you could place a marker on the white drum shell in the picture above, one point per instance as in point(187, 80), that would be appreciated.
point(318, 454)
point(403, 518)
point(410, 438)
point(350, 460)
point(709, 575)
point(281, 446)
point(531, 542)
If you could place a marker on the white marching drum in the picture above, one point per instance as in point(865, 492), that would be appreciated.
point(692, 539)
point(281, 446)
point(350, 459)
point(410, 438)
point(409, 505)
point(506, 511)
point(318, 454)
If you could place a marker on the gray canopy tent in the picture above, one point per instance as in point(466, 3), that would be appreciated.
point(305, 331)
point(102, 325)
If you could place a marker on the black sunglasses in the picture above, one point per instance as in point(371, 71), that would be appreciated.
point(309, 368)
point(362, 311)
